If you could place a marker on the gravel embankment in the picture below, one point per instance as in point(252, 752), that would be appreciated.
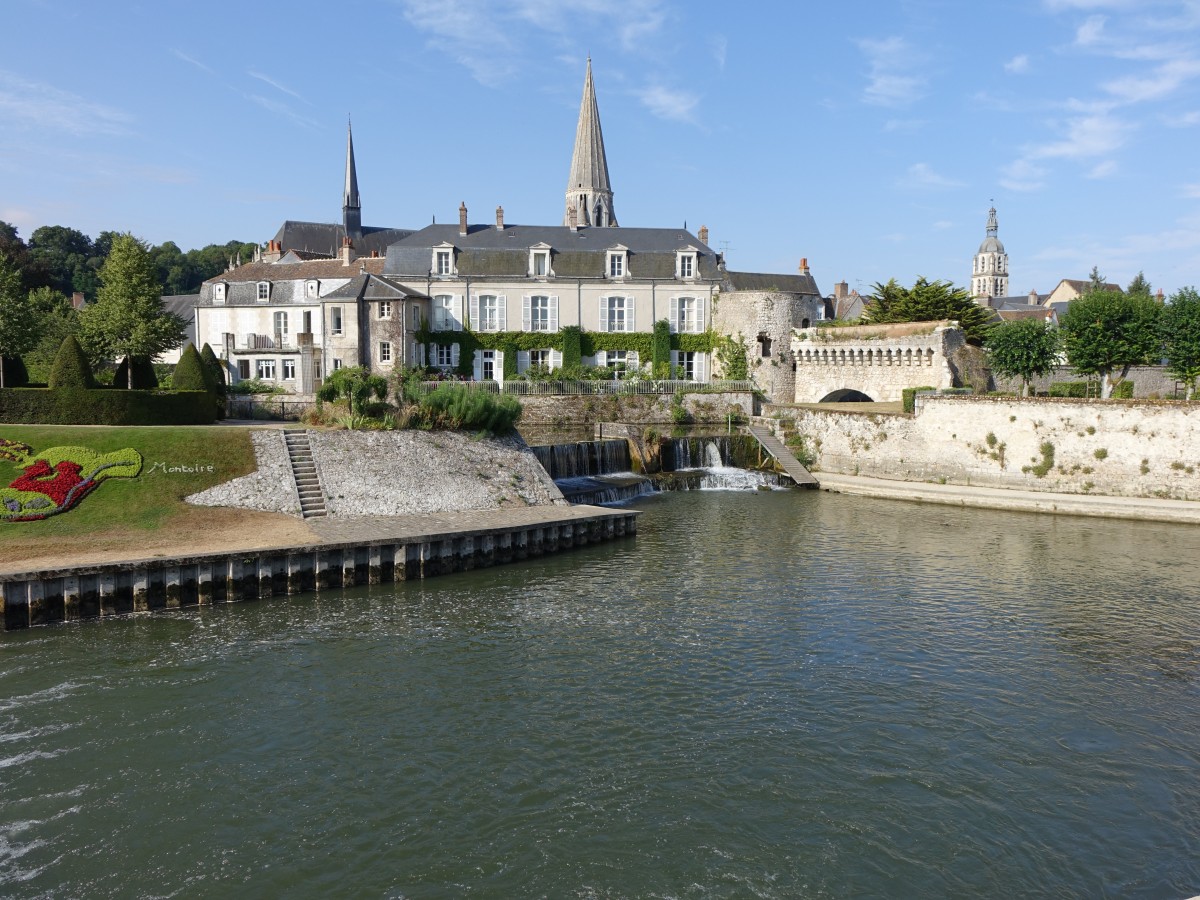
point(392, 473)
point(270, 488)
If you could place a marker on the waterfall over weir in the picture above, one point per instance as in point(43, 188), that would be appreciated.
point(598, 472)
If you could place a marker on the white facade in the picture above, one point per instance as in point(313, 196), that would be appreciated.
point(989, 270)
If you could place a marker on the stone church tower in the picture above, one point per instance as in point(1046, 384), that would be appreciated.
point(989, 274)
point(589, 196)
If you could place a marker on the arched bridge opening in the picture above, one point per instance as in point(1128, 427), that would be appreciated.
point(846, 395)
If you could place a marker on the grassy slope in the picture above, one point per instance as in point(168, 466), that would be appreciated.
point(128, 507)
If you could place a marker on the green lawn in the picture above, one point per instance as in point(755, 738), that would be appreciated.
point(151, 502)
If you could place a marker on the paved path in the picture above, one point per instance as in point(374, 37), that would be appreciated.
point(783, 456)
point(1145, 508)
point(374, 528)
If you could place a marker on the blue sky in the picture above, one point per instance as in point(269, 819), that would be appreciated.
point(868, 137)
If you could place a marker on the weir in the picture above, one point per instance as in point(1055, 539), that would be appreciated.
point(600, 471)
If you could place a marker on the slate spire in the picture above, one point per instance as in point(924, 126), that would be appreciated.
point(351, 207)
point(588, 190)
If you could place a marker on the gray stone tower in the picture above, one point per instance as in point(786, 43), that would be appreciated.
point(588, 191)
point(351, 206)
point(989, 272)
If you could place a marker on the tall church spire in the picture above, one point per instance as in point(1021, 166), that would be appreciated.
point(351, 207)
point(588, 190)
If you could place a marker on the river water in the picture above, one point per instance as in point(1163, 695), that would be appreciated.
point(765, 694)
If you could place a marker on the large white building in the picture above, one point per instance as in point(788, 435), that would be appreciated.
point(989, 270)
point(489, 301)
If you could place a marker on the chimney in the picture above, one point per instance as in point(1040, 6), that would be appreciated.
point(841, 290)
point(499, 218)
point(462, 218)
point(572, 218)
point(1159, 296)
point(804, 265)
point(348, 254)
point(703, 235)
point(77, 301)
point(1033, 297)
point(274, 251)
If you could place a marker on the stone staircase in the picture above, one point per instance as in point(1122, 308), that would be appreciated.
point(304, 471)
point(783, 456)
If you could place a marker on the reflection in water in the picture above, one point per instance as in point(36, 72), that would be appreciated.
point(770, 694)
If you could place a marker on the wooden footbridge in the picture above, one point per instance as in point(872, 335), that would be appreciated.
point(783, 456)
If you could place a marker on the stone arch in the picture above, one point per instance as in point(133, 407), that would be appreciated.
point(846, 395)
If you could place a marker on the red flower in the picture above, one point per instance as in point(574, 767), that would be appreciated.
point(60, 487)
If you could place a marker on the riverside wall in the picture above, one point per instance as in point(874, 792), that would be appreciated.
point(636, 409)
point(1116, 448)
point(102, 591)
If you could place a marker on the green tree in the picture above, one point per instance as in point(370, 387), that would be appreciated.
point(1025, 349)
point(127, 317)
point(1179, 328)
point(354, 384)
point(1139, 285)
point(1096, 279)
point(1108, 331)
point(18, 324)
point(929, 301)
point(57, 319)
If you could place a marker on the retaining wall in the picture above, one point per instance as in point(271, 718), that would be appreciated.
point(637, 409)
point(1118, 448)
point(86, 592)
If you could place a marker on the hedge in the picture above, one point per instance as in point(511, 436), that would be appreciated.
point(909, 396)
point(1071, 389)
point(48, 406)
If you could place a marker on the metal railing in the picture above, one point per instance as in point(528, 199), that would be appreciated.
point(267, 408)
point(598, 388)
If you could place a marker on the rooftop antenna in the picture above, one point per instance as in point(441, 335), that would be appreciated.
point(725, 248)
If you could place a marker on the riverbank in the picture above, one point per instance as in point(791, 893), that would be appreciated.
point(1146, 509)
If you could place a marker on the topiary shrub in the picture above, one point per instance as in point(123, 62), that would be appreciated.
point(216, 376)
point(15, 373)
point(144, 377)
point(572, 347)
point(71, 368)
point(661, 349)
point(190, 372)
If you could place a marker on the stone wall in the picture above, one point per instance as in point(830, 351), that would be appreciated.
point(774, 315)
point(877, 360)
point(1148, 381)
point(637, 409)
point(1118, 448)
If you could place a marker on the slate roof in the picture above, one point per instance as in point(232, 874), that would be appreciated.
point(374, 287)
point(766, 281)
point(182, 305)
point(488, 252)
point(286, 279)
point(326, 237)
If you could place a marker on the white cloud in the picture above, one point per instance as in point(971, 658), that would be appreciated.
point(666, 103)
point(484, 37)
point(904, 125)
point(1017, 65)
point(720, 45)
point(195, 62)
point(38, 105)
point(1190, 191)
point(275, 84)
point(1090, 31)
point(1186, 120)
point(1086, 136)
point(1103, 169)
point(1166, 79)
point(890, 81)
point(280, 109)
point(943, 225)
point(1022, 175)
point(921, 175)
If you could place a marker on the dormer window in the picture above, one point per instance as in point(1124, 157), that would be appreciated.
point(311, 290)
point(219, 293)
point(539, 261)
point(443, 260)
point(264, 291)
point(618, 262)
point(685, 264)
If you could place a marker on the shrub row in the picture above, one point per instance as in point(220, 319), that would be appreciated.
point(48, 406)
point(909, 396)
